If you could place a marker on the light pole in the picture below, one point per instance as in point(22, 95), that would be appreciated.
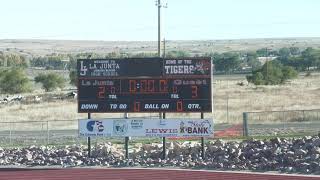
point(161, 115)
point(164, 48)
point(159, 5)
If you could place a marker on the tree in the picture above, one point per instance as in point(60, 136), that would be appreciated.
point(257, 78)
point(288, 73)
point(284, 54)
point(272, 73)
point(2, 59)
point(294, 51)
point(231, 61)
point(13, 60)
point(73, 77)
point(252, 60)
point(179, 53)
point(226, 62)
point(72, 64)
point(113, 54)
point(39, 61)
point(53, 61)
point(311, 57)
point(144, 54)
point(14, 81)
point(50, 81)
point(262, 52)
point(296, 62)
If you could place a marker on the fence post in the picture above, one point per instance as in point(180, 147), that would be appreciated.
point(48, 134)
point(228, 108)
point(126, 140)
point(245, 124)
point(10, 133)
point(163, 140)
point(203, 153)
point(126, 146)
point(89, 140)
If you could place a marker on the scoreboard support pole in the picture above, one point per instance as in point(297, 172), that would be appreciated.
point(202, 142)
point(89, 140)
point(126, 146)
point(126, 141)
point(163, 141)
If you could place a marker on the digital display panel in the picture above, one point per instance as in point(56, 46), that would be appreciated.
point(144, 85)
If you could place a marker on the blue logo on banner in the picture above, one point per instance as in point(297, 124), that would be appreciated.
point(95, 126)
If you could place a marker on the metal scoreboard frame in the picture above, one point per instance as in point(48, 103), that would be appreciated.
point(144, 85)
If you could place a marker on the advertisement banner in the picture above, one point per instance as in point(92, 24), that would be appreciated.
point(146, 127)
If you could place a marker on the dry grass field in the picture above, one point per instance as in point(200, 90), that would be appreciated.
point(230, 101)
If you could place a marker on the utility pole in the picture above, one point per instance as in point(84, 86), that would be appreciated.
point(161, 115)
point(267, 63)
point(164, 48)
point(159, 5)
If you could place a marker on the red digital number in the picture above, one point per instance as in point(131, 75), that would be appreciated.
point(174, 89)
point(101, 92)
point(132, 86)
point(136, 107)
point(194, 91)
point(179, 106)
point(143, 85)
point(163, 85)
point(150, 85)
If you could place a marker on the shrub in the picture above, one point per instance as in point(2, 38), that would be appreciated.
point(14, 81)
point(73, 77)
point(50, 81)
point(288, 72)
point(308, 74)
point(272, 73)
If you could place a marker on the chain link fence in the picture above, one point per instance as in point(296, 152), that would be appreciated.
point(25, 133)
point(65, 132)
point(281, 123)
point(45, 133)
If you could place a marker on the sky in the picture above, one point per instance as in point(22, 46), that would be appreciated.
point(136, 20)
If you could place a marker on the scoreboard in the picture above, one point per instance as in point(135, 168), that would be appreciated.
point(144, 85)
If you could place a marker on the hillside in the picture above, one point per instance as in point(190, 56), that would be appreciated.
point(42, 47)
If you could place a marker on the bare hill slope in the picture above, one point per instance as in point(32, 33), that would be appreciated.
point(42, 47)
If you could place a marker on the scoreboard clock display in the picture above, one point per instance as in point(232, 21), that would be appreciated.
point(144, 85)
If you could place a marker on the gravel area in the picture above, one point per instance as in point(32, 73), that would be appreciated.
point(290, 155)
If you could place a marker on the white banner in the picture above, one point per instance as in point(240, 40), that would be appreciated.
point(146, 127)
